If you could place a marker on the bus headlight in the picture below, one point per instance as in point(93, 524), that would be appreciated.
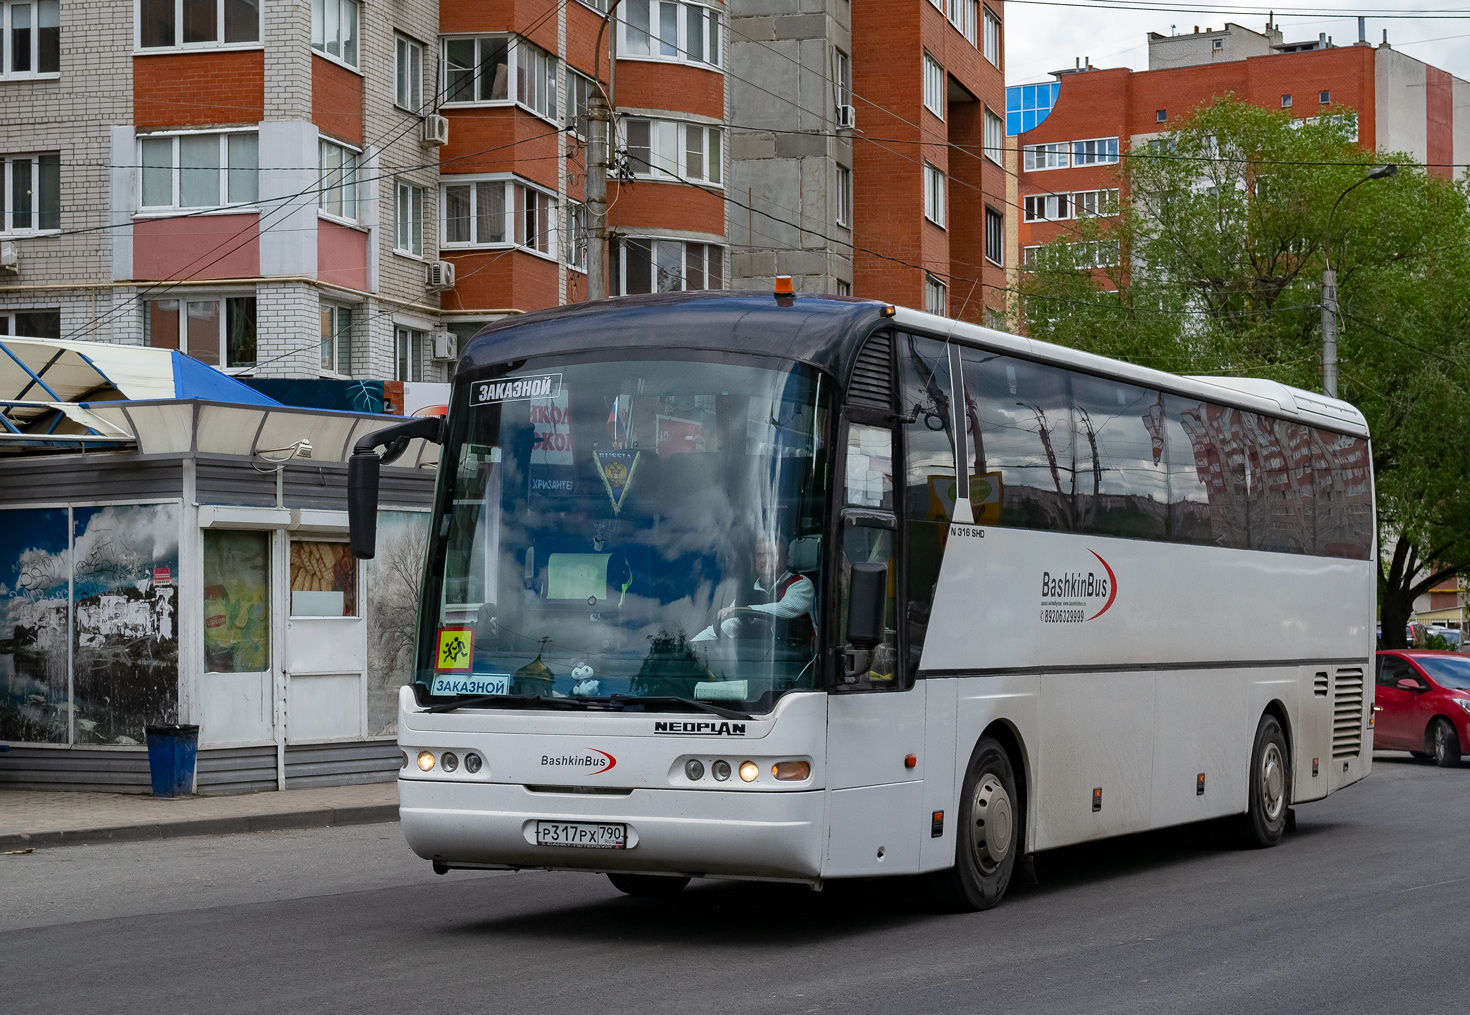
point(790, 771)
point(749, 771)
point(694, 769)
point(472, 763)
point(426, 761)
point(449, 761)
point(720, 770)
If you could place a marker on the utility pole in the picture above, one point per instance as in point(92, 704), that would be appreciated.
point(1329, 331)
point(599, 119)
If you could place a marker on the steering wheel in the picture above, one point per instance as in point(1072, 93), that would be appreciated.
point(752, 624)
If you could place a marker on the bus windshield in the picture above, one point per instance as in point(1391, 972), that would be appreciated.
point(638, 528)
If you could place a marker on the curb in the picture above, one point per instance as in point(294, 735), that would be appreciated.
point(322, 817)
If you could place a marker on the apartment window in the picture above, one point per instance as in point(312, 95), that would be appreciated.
point(1046, 207)
point(218, 330)
point(1096, 152)
point(667, 30)
point(1286, 102)
point(995, 229)
point(1054, 155)
point(334, 29)
point(580, 90)
point(649, 265)
point(1029, 254)
point(964, 14)
point(933, 194)
point(939, 4)
point(934, 86)
point(31, 38)
point(576, 251)
point(667, 149)
point(500, 68)
point(199, 170)
point(408, 358)
point(408, 79)
point(31, 323)
point(842, 77)
point(339, 170)
point(995, 137)
point(498, 212)
point(1096, 203)
point(30, 193)
point(1161, 115)
point(1324, 96)
point(995, 319)
point(936, 296)
point(844, 288)
point(1219, 43)
point(992, 38)
point(336, 338)
point(170, 24)
point(409, 220)
point(844, 196)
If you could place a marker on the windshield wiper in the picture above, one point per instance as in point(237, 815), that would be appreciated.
point(508, 699)
point(698, 706)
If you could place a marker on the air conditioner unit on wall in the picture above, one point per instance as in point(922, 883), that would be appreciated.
point(444, 345)
point(435, 130)
point(439, 275)
point(846, 118)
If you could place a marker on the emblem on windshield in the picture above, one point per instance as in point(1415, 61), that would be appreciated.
point(616, 467)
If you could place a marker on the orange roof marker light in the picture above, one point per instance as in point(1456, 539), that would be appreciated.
point(784, 288)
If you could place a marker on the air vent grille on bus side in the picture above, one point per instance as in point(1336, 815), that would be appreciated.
point(871, 385)
point(1347, 714)
point(1319, 683)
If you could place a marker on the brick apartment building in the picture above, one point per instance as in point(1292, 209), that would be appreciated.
point(1069, 131)
point(328, 188)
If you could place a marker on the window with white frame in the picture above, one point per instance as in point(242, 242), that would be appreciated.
point(1046, 207)
point(336, 338)
point(578, 97)
point(669, 30)
point(1029, 254)
point(842, 77)
point(339, 167)
point(408, 220)
point(939, 4)
point(964, 15)
point(30, 193)
point(218, 330)
point(992, 37)
point(936, 296)
point(934, 86)
point(995, 137)
point(670, 149)
point(500, 68)
point(205, 170)
point(576, 246)
point(174, 24)
point(844, 288)
point(933, 194)
point(31, 323)
point(408, 73)
point(844, 196)
point(1095, 152)
point(641, 265)
point(408, 354)
point(1096, 203)
point(334, 29)
point(30, 37)
point(995, 236)
point(995, 319)
point(1053, 155)
point(498, 212)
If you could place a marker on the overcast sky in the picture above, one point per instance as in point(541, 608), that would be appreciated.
point(1042, 38)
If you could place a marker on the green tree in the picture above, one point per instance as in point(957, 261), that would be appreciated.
point(1220, 257)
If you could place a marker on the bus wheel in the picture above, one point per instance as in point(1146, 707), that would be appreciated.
point(986, 833)
point(648, 886)
point(1270, 785)
point(1444, 743)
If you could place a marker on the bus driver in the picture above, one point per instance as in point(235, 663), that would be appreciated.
point(783, 596)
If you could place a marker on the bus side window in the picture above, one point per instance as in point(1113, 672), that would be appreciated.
point(869, 544)
point(869, 467)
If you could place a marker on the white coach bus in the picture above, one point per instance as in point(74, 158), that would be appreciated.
point(727, 585)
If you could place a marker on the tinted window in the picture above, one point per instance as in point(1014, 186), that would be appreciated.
point(1212, 505)
point(1344, 496)
point(1123, 480)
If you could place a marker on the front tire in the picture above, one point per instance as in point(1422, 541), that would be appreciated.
point(1264, 823)
point(987, 835)
point(648, 886)
point(1444, 743)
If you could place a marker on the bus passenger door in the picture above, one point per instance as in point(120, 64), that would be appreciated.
point(875, 714)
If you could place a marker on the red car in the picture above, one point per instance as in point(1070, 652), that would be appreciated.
point(1423, 699)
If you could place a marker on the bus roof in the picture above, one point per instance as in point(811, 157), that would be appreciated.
point(827, 332)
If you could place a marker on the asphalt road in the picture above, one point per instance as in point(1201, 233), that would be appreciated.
point(1364, 909)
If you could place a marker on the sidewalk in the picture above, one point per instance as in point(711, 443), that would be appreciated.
point(36, 819)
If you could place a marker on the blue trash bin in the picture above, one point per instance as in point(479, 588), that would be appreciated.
point(171, 753)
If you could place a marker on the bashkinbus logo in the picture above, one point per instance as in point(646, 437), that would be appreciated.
point(1077, 596)
point(589, 762)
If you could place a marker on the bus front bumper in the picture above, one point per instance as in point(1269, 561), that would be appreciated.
point(778, 836)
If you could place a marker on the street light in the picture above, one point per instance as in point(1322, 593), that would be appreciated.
point(1329, 285)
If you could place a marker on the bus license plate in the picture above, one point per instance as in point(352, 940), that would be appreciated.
point(581, 833)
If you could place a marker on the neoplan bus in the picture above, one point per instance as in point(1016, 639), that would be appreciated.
point(1015, 597)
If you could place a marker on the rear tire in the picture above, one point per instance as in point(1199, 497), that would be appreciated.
point(1264, 822)
point(1444, 743)
point(987, 838)
point(648, 886)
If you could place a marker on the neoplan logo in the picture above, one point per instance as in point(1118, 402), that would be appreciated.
point(701, 729)
point(1077, 596)
point(590, 762)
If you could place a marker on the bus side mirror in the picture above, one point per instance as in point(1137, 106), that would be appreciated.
point(867, 603)
point(362, 477)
